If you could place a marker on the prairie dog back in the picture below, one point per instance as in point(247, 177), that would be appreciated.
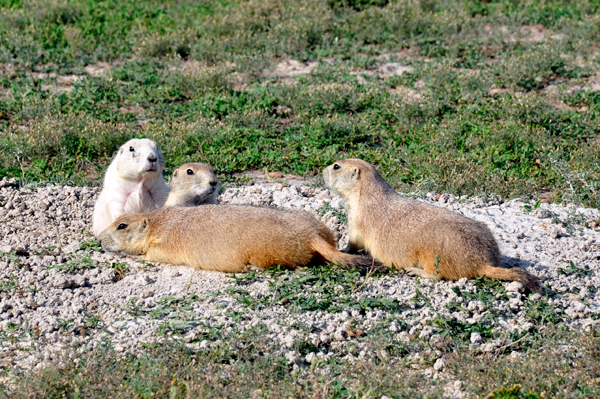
point(193, 184)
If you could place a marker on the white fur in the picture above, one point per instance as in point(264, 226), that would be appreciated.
point(133, 184)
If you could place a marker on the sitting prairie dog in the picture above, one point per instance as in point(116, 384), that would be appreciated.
point(133, 183)
point(226, 238)
point(425, 240)
point(193, 184)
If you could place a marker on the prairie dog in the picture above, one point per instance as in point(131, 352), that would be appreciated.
point(133, 183)
point(425, 240)
point(193, 184)
point(226, 238)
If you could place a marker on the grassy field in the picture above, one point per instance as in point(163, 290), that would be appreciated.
point(498, 96)
point(548, 361)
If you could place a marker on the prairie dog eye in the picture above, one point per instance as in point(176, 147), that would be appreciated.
point(131, 149)
point(336, 166)
point(121, 226)
point(190, 172)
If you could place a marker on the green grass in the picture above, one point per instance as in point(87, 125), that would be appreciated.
point(223, 356)
point(239, 364)
point(457, 136)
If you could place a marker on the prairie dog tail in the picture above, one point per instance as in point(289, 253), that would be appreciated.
point(331, 254)
point(529, 281)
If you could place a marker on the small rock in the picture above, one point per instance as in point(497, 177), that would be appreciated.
point(540, 213)
point(105, 277)
point(310, 358)
point(340, 335)
point(489, 347)
point(60, 282)
point(438, 365)
point(292, 358)
point(514, 286)
point(573, 297)
point(6, 249)
point(288, 341)
point(276, 175)
point(553, 231)
point(354, 332)
point(426, 332)
point(515, 303)
point(325, 338)
point(79, 281)
point(476, 338)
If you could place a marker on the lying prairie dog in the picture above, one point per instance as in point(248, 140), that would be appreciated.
point(227, 238)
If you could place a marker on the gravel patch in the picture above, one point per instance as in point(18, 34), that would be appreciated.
point(59, 291)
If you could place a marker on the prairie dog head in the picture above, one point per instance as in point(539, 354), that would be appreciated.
point(127, 235)
point(193, 184)
point(345, 176)
point(139, 158)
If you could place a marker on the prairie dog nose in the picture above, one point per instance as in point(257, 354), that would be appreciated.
point(152, 158)
point(212, 183)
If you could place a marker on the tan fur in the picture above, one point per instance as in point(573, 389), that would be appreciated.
point(226, 238)
point(193, 184)
point(407, 234)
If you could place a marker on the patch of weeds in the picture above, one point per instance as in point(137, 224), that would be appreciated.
point(327, 288)
point(245, 278)
point(171, 307)
point(486, 290)
point(554, 363)
point(91, 321)
point(65, 324)
point(134, 308)
point(90, 244)
point(457, 329)
point(77, 264)
point(121, 269)
point(46, 250)
point(529, 208)
point(9, 284)
point(513, 392)
point(242, 296)
point(176, 326)
point(455, 307)
point(574, 270)
point(341, 215)
point(541, 313)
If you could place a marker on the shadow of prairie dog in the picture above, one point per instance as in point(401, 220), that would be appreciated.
point(193, 184)
point(427, 241)
point(226, 238)
point(133, 183)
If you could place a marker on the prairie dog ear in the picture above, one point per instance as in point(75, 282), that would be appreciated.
point(356, 173)
point(144, 224)
point(121, 150)
point(175, 173)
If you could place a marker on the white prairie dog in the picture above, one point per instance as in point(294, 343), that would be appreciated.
point(133, 183)
point(193, 184)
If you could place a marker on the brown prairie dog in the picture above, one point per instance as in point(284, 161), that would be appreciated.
point(226, 238)
point(193, 184)
point(427, 241)
point(133, 183)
